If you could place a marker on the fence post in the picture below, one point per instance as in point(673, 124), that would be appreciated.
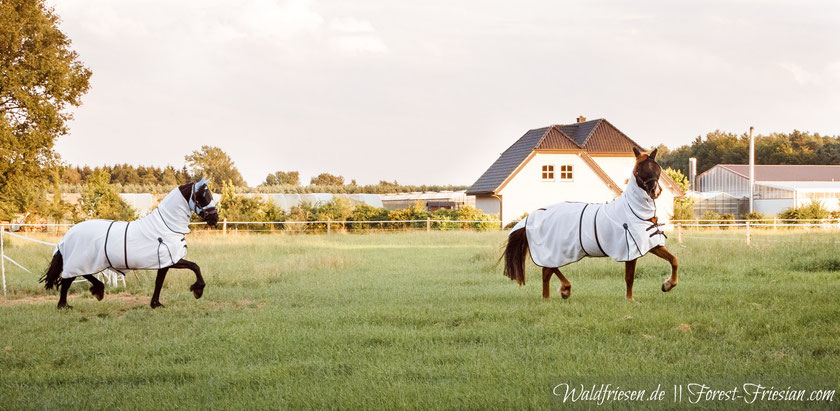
point(775, 221)
point(679, 233)
point(428, 224)
point(224, 226)
point(748, 233)
point(328, 225)
point(3, 259)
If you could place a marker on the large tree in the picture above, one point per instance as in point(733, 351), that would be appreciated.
point(283, 178)
point(215, 164)
point(327, 179)
point(40, 76)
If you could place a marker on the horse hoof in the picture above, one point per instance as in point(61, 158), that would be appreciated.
point(98, 292)
point(667, 286)
point(64, 306)
point(197, 290)
point(156, 304)
point(565, 292)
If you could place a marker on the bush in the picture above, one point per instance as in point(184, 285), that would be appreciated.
point(726, 219)
point(812, 211)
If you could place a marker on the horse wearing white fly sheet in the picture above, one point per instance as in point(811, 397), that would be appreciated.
point(153, 242)
point(567, 232)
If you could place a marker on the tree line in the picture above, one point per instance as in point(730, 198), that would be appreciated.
point(719, 147)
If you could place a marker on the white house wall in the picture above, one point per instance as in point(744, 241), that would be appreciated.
point(618, 168)
point(488, 204)
point(526, 191)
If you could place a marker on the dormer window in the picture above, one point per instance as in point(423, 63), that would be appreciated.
point(566, 172)
point(548, 173)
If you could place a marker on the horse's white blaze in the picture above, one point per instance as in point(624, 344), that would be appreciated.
point(566, 232)
point(83, 247)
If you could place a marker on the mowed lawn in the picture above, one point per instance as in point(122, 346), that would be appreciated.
point(414, 320)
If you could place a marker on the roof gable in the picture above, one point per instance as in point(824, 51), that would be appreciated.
point(507, 162)
point(595, 136)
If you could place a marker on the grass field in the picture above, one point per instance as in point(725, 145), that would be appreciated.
point(414, 320)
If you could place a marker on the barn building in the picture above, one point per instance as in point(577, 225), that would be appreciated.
point(588, 161)
point(777, 187)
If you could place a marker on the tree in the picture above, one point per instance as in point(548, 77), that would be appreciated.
point(40, 76)
point(213, 163)
point(327, 179)
point(100, 199)
point(291, 178)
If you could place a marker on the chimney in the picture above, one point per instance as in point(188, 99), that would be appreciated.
point(692, 174)
point(581, 119)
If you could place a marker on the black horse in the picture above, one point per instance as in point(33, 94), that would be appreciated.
point(154, 242)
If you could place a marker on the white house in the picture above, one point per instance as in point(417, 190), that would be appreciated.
point(588, 161)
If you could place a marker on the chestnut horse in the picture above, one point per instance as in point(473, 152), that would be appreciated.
point(565, 233)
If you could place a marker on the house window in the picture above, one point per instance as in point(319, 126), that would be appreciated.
point(548, 173)
point(566, 172)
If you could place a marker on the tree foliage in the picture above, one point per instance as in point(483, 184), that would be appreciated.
point(720, 147)
point(100, 199)
point(327, 179)
point(40, 76)
point(213, 163)
point(291, 178)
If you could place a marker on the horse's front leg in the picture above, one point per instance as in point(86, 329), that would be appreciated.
point(198, 287)
point(662, 253)
point(629, 277)
point(161, 275)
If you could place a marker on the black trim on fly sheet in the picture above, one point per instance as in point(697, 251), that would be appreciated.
point(167, 225)
point(595, 227)
point(580, 229)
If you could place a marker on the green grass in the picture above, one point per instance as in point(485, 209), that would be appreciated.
point(414, 320)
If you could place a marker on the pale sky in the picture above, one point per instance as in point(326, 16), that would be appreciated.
point(432, 91)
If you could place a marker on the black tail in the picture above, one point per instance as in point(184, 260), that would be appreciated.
point(52, 277)
point(515, 253)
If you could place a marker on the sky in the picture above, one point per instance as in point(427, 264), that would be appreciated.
point(431, 92)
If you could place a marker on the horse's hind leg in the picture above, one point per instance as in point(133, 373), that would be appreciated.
point(566, 287)
point(97, 289)
point(65, 286)
point(662, 253)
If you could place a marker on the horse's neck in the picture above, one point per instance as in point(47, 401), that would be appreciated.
point(638, 200)
point(174, 212)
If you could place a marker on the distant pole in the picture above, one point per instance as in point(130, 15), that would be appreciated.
point(748, 233)
point(328, 224)
point(752, 168)
point(3, 260)
point(224, 226)
point(428, 224)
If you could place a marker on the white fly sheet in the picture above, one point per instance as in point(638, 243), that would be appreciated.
point(152, 242)
point(567, 232)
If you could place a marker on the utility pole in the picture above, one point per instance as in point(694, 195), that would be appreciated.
point(752, 167)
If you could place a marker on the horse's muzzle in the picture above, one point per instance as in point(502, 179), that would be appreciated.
point(211, 217)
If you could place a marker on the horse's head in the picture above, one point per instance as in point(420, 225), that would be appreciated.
point(201, 202)
point(646, 172)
